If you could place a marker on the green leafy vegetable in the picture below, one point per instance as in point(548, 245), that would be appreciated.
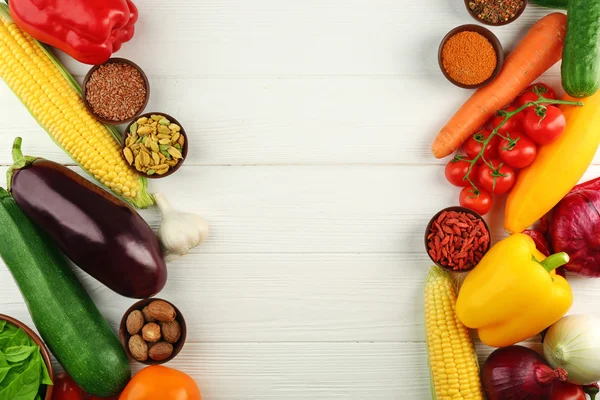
point(19, 339)
point(3, 372)
point(20, 353)
point(22, 368)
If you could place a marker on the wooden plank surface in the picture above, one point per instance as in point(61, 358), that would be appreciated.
point(310, 125)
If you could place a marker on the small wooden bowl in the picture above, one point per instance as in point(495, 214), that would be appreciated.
point(474, 15)
point(184, 149)
point(435, 217)
point(43, 349)
point(493, 41)
point(124, 335)
point(115, 61)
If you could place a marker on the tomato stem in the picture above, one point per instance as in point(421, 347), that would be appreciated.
point(508, 115)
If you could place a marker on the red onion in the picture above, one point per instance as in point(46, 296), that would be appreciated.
point(575, 229)
point(518, 373)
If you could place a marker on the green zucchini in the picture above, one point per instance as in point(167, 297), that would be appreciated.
point(560, 4)
point(581, 52)
point(64, 314)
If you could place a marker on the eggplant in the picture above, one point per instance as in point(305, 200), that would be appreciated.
point(97, 231)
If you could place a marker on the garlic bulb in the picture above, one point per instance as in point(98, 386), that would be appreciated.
point(179, 232)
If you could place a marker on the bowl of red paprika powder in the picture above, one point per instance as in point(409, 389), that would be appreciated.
point(470, 56)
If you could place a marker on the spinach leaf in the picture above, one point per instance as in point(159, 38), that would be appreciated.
point(2, 324)
point(19, 339)
point(26, 386)
point(45, 375)
point(9, 330)
point(38, 397)
point(3, 362)
point(18, 354)
point(3, 373)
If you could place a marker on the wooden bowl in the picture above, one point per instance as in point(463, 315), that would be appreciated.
point(435, 217)
point(124, 335)
point(474, 15)
point(115, 61)
point(184, 149)
point(43, 349)
point(493, 41)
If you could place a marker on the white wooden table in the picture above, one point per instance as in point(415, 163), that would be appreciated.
point(310, 124)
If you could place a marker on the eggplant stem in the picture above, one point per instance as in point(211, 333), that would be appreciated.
point(17, 154)
point(554, 261)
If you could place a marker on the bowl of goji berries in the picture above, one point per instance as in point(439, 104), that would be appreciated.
point(457, 238)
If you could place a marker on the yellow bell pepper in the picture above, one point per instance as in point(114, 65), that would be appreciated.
point(557, 168)
point(514, 293)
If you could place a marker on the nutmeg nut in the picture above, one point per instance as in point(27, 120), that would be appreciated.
point(171, 331)
point(138, 348)
point(147, 316)
point(135, 322)
point(151, 332)
point(162, 311)
point(161, 351)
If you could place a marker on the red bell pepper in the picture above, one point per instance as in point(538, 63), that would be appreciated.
point(90, 31)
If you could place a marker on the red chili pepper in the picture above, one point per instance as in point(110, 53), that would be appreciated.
point(88, 30)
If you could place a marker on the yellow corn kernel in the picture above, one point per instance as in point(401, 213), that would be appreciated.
point(452, 358)
point(59, 109)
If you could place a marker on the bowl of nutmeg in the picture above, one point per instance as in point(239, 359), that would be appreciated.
point(152, 331)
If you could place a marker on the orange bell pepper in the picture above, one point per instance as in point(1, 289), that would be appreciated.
point(161, 383)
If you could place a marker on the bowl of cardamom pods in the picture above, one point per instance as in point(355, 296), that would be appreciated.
point(155, 145)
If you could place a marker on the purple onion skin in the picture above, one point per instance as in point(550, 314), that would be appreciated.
point(99, 232)
point(517, 373)
point(575, 229)
point(593, 184)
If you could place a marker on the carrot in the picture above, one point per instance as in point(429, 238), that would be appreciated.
point(540, 49)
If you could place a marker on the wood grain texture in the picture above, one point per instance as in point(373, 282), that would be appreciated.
point(310, 126)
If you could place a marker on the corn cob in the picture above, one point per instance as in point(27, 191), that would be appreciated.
point(452, 359)
point(53, 98)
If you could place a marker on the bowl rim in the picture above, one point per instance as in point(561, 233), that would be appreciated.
point(490, 36)
point(517, 15)
point(184, 150)
point(115, 60)
point(40, 343)
point(435, 217)
point(124, 335)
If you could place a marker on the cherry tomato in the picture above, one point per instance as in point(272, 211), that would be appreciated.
point(529, 95)
point(518, 152)
point(65, 388)
point(90, 397)
point(566, 391)
point(474, 144)
point(161, 383)
point(514, 124)
point(457, 169)
point(497, 180)
point(480, 201)
point(546, 128)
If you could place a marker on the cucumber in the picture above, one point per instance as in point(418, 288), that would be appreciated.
point(64, 314)
point(581, 52)
point(561, 4)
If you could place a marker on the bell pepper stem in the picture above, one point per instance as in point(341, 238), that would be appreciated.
point(554, 261)
point(591, 390)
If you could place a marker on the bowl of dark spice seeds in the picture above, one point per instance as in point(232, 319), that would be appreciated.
point(496, 12)
point(470, 56)
point(116, 92)
point(457, 238)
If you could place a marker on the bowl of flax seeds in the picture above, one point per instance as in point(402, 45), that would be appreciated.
point(116, 92)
